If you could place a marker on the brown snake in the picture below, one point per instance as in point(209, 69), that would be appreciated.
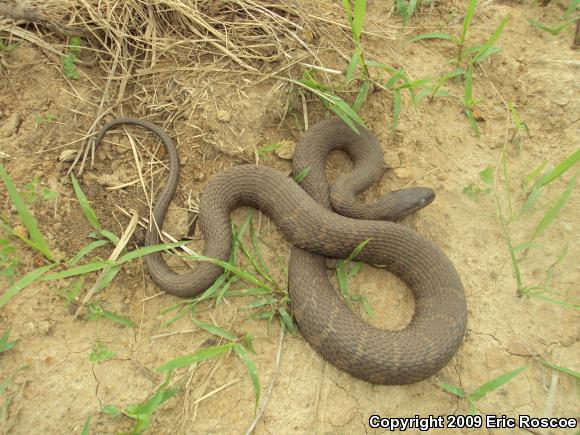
point(302, 213)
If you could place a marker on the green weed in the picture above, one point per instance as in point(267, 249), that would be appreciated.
point(4, 343)
point(9, 261)
point(406, 9)
point(36, 240)
point(143, 413)
point(482, 390)
point(485, 185)
point(509, 213)
point(347, 269)
point(553, 30)
point(4, 47)
point(100, 353)
point(42, 119)
point(69, 60)
point(467, 57)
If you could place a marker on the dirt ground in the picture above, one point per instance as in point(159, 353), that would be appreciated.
point(433, 145)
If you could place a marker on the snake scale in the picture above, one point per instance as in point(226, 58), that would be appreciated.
point(303, 214)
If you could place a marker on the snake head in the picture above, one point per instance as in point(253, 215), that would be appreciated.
point(406, 201)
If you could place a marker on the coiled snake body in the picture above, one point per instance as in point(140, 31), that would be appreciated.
point(302, 213)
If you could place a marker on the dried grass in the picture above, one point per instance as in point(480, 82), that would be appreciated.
point(156, 57)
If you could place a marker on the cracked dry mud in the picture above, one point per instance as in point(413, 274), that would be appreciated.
point(432, 146)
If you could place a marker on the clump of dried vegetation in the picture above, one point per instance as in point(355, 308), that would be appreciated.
point(155, 59)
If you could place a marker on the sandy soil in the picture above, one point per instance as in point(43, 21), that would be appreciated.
point(55, 387)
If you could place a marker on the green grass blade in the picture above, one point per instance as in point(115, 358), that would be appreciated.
point(27, 219)
point(356, 251)
point(216, 330)
point(146, 250)
point(4, 343)
point(559, 169)
point(532, 198)
point(85, 204)
point(117, 318)
point(554, 210)
point(78, 270)
point(555, 31)
point(456, 391)
point(396, 108)
point(358, 18)
point(242, 353)
point(198, 356)
point(354, 61)
point(247, 292)
point(472, 121)
point(10, 231)
point(494, 384)
point(483, 52)
point(143, 413)
point(23, 282)
point(87, 426)
point(467, 20)
point(468, 89)
point(375, 64)
point(259, 303)
point(361, 97)
point(109, 235)
point(433, 35)
point(85, 250)
point(347, 10)
point(300, 176)
point(268, 148)
point(561, 369)
point(287, 320)
point(107, 277)
point(342, 284)
point(231, 268)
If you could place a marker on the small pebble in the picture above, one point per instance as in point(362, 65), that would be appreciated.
point(286, 150)
point(20, 231)
point(224, 116)
point(404, 172)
